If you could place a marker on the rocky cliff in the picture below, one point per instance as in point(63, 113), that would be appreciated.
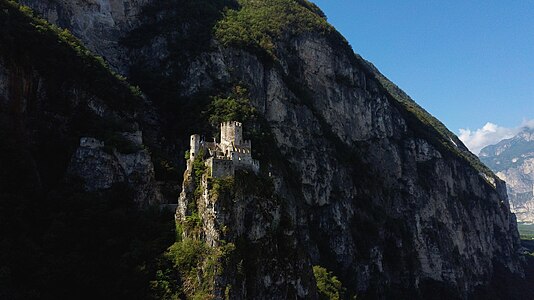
point(99, 23)
point(52, 109)
point(356, 177)
point(513, 162)
point(73, 170)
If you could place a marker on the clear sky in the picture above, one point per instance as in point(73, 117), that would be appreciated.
point(466, 62)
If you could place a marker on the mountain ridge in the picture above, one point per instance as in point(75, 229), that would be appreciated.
point(513, 161)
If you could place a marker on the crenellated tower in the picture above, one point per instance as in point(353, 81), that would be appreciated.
point(231, 133)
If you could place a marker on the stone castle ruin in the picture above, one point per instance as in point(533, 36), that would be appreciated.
point(230, 154)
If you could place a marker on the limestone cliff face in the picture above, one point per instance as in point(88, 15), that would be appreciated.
point(100, 24)
point(381, 206)
point(513, 162)
point(47, 104)
point(101, 168)
point(26, 106)
point(362, 187)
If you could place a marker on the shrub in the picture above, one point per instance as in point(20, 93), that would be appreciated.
point(235, 107)
point(196, 266)
point(328, 286)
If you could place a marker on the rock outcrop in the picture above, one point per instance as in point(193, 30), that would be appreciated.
point(102, 167)
point(513, 161)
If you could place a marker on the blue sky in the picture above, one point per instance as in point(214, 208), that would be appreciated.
point(466, 62)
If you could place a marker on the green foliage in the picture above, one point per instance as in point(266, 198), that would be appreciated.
point(165, 166)
point(328, 286)
point(199, 169)
point(187, 254)
point(193, 264)
point(251, 184)
point(526, 231)
point(192, 224)
point(222, 186)
point(235, 107)
point(258, 25)
point(58, 55)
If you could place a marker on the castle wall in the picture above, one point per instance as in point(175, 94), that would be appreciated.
point(194, 146)
point(236, 153)
point(219, 168)
point(245, 161)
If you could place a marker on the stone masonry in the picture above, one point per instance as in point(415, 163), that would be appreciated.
point(230, 154)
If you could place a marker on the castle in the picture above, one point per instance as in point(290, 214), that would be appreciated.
point(230, 154)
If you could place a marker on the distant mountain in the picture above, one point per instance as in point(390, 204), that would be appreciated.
point(513, 161)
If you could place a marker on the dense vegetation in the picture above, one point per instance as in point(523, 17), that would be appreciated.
point(259, 25)
point(235, 106)
point(328, 286)
point(188, 269)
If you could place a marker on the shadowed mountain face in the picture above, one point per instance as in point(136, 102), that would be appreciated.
point(355, 177)
point(513, 161)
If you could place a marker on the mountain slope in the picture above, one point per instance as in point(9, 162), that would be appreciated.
point(59, 237)
point(364, 182)
point(513, 162)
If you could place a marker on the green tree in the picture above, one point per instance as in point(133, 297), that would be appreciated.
point(328, 286)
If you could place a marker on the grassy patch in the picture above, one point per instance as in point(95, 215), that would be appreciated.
point(526, 231)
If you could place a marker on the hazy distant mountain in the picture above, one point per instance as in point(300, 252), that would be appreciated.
point(513, 161)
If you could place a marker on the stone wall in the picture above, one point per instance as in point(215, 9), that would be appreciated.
point(195, 146)
point(231, 132)
point(220, 167)
point(245, 161)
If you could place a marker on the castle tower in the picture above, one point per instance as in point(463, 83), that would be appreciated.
point(195, 146)
point(231, 133)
